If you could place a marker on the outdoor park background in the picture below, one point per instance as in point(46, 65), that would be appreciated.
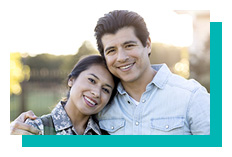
point(38, 76)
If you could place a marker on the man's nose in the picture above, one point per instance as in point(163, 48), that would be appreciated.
point(122, 55)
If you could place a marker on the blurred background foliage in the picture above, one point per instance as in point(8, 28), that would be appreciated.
point(18, 73)
point(38, 83)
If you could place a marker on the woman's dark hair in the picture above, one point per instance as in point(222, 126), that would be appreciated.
point(115, 20)
point(84, 64)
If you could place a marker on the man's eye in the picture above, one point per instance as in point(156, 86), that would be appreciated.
point(110, 51)
point(130, 45)
point(91, 80)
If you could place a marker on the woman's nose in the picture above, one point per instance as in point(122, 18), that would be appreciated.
point(95, 92)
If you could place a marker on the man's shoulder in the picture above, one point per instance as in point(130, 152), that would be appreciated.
point(183, 83)
point(111, 110)
point(174, 80)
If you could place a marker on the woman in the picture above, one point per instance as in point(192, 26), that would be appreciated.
point(91, 87)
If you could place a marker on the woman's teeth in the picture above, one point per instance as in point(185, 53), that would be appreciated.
point(90, 101)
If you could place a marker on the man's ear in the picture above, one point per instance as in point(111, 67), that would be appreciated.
point(149, 46)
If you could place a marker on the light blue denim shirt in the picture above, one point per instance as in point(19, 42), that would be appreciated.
point(171, 105)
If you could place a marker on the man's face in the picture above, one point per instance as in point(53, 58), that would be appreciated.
point(125, 55)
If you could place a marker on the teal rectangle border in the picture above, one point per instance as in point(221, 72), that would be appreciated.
point(212, 140)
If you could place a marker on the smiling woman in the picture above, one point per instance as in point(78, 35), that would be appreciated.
point(90, 91)
point(91, 87)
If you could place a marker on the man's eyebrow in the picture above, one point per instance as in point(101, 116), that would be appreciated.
point(99, 79)
point(129, 42)
point(108, 48)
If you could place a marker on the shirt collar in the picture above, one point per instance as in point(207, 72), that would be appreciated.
point(62, 121)
point(92, 125)
point(162, 75)
point(121, 89)
point(160, 79)
point(60, 118)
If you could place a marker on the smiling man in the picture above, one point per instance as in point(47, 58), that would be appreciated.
point(128, 60)
point(150, 100)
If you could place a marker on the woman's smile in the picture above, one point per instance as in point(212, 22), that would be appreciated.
point(90, 102)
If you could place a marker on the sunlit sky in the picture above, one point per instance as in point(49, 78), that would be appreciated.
point(60, 28)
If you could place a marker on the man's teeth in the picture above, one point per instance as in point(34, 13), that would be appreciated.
point(93, 103)
point(126, 67)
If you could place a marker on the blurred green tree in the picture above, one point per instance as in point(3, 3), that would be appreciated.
point(52, 68)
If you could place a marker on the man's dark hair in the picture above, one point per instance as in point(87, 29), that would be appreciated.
point(115, 20)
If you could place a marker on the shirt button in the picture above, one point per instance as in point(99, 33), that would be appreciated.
point(136, 123)
point(112, 128)
point(166, 126)
point(128, 102)
point(143, 101)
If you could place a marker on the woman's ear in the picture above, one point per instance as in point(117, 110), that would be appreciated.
point(71, 82)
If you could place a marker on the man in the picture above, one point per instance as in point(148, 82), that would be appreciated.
point(150, 99)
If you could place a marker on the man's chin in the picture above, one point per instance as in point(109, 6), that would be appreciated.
point(127, 80)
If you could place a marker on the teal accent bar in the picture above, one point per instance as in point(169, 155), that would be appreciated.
point(212, 140)
point(118, 141)
point(216, 81)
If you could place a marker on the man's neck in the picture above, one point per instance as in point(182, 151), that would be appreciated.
point(136, 88)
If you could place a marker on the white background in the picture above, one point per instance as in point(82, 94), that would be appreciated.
point(220, 11)
point(60, 28)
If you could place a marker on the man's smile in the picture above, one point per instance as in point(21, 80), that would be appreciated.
point(126, 67)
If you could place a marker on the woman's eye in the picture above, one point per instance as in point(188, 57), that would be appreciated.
point(106, 90)
point(91, 80)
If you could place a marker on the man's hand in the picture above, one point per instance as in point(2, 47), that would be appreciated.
point(18, 127)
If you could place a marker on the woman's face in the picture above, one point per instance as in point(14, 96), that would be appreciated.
point(91, 90)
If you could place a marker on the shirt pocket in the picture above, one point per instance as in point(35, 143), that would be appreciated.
point(113, 126)
point(167, 126)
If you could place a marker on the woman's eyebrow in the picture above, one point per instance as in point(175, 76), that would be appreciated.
point(94, 76)
point(99, 79)
point(109, 86)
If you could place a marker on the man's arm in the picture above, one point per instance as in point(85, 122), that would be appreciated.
point(18, 127)
point(199, 112)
